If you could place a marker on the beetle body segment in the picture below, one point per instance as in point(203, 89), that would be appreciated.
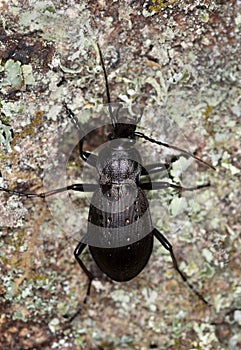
point(119, 223)
point(123, 263)
point(119, 204)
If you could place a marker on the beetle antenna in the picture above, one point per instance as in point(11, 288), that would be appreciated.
point(113, 119)
point(139, 134)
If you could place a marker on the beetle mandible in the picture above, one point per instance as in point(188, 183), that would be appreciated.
point(119, 224)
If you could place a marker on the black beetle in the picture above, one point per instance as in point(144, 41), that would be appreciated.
point(120, 234)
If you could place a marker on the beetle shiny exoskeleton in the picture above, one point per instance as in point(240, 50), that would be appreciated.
point(120, 232)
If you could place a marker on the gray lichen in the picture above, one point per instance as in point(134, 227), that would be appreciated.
point(183, 61)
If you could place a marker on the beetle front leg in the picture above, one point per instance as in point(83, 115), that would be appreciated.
point(160, 167)
point(90, 158)
point(167, 245)
point(154, 168)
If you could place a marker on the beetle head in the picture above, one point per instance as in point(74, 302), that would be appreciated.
point(124, 126)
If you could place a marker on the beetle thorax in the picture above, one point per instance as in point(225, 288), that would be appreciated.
point(120, 171)
point(118, 164)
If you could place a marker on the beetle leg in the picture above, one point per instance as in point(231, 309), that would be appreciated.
point(74, 187)
point(167, 245)
point(154, 168)
point(183, 151)
point(90, 158)
point(161, 185)
point(159, 167)
point(77, 252)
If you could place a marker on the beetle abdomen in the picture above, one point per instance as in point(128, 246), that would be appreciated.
point(124, 263)
point(120, 231)
point(118, 218)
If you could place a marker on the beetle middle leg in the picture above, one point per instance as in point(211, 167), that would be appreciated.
point(163, 184)
point(74, 187)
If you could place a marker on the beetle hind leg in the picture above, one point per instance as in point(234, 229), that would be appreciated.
point(77, 252)
point(167, 245)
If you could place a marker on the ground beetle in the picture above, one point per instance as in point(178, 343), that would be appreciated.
point(120, 234)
